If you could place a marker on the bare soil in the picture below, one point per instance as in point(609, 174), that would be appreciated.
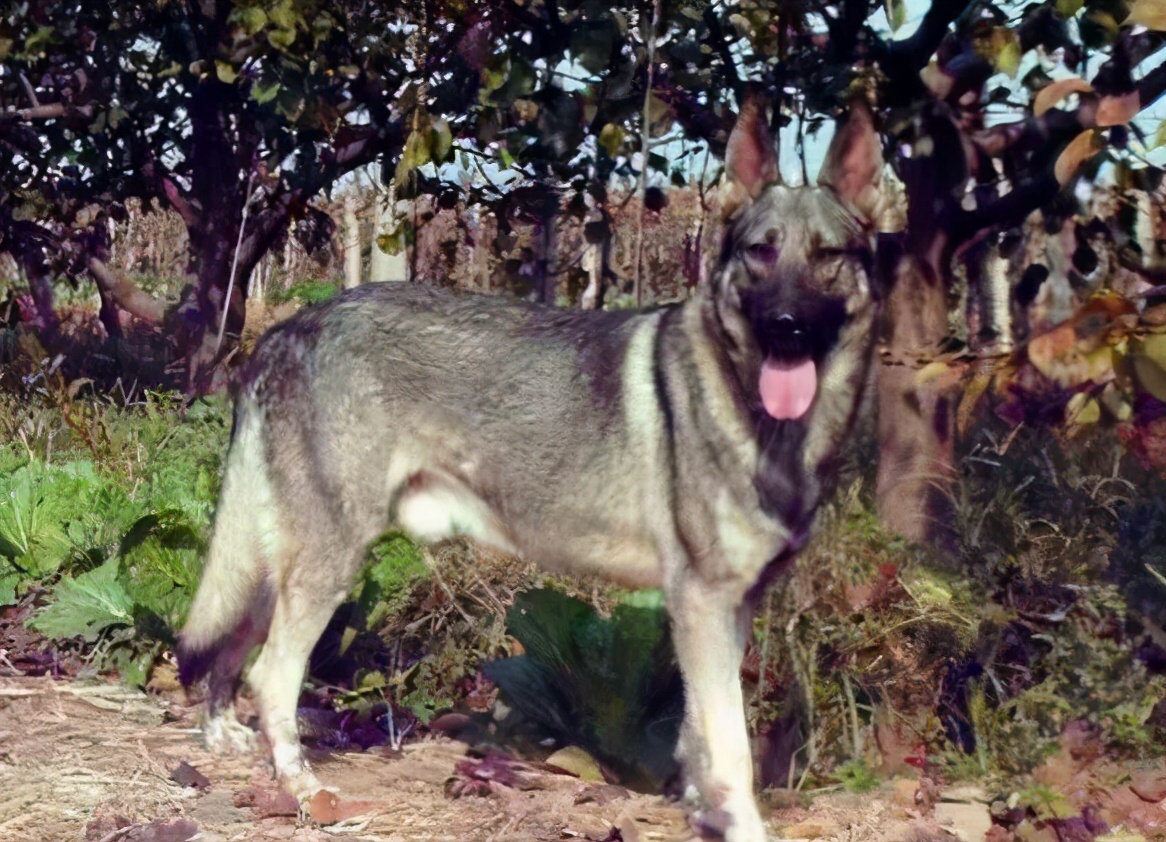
point(98, 762)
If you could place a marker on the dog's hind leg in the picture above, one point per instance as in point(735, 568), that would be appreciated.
point(277, 678)
point(709, 629)
point(223, 732)
point(316, 576)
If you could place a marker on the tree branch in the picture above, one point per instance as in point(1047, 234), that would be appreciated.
point(699, 121)
point(125, 294)
point(1057, 126)
point(721, 44)
point(845, 29)
point(48, 111)
point(178, 202)
point(910, 55)
point(1008, 210)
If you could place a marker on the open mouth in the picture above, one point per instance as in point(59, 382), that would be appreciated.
point(795, 345)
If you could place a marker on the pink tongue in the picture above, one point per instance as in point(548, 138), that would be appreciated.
point(788, 387)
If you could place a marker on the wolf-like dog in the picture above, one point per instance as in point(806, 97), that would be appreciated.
point(684, 447)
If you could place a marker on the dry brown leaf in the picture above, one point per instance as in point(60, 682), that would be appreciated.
point(938, 82)
point(1149, 13)
point(1118, 110)
point(1080, 149)
point(328, 808)
point(1050, 95)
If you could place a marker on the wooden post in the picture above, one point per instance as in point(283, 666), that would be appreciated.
point(352, 257)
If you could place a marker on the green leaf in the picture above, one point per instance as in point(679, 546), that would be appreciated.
point(1149, 364)
point(8, 583)
point(282, 39)
point(264, 94)
point(611, 139)
point(440, 140)
point(415, 154)
point(1008, 59)
point(493, 78)
point(394, 240)
point(86, 605)
point(136, 670)
point(250, 19)
point(38, 40)
point(226, 72)
point(1159, 136)
point(36, 502)
point(896, 13)
point(285, 15)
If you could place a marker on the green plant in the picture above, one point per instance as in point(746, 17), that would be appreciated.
point(856, 776)
point(111, 535)
point(607, 685)
point(306, 292)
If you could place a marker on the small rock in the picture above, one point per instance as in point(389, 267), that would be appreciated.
point(186, 775)
point(1149, 785)
point(969, 822)
point(966, 795)
point(267, 803)
point(176, 830)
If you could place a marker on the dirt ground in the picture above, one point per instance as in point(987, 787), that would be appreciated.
point(98, 762)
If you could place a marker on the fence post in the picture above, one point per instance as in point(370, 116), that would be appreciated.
point(352, 261)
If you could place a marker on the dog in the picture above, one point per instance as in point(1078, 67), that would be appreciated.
point(684, 447)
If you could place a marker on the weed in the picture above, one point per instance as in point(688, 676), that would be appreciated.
point(856, 776)
point(305, 292)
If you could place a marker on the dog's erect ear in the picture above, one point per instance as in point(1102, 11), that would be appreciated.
point(854, 162)
point(750, 160)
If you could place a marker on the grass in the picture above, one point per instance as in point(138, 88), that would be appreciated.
point(972, 661)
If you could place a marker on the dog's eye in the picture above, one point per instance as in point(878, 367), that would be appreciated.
point(763, 253)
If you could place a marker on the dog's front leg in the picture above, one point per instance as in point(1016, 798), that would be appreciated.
point(709, 629)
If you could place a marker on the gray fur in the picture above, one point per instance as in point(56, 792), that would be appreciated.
point(631, 444)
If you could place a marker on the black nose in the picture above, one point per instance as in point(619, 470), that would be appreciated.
point(788, 336)
point(787, 325)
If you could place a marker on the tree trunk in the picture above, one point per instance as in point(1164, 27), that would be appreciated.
point(596, 257)
point(200, 317)
point(915, 424)
point(45, 322)
point(544, 243)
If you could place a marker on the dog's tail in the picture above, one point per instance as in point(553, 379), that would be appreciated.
point(232, 609)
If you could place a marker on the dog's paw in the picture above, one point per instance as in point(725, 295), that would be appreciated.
point(299, 780)
point(743, 826)
point(225, 734)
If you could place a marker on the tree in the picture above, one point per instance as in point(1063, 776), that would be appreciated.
point(236, 116)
